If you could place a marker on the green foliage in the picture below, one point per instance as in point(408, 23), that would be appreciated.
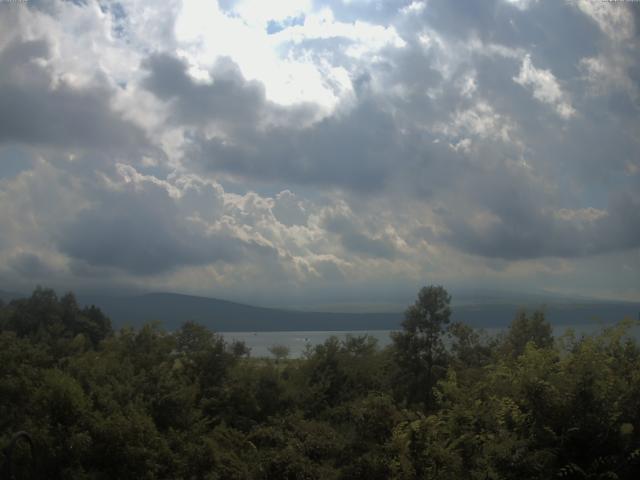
point(280, 352)
point(153, 404)
point(55, 322)
point(338, 371)
point(527, 328)
point(419, 350)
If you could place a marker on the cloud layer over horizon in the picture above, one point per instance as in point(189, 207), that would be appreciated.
point(318, 152)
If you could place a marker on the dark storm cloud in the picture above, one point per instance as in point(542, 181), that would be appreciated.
point(519, 224)
point(355, 152)
point(229, 99)
point(355, 241)
point(556, 33)
point(620, 229)
point(142, 231)
point(594, 153)
point(462, 18)
point(13, 161)
point(230, 102)
point(35, 110)
point(555, 30)
point(30, 265)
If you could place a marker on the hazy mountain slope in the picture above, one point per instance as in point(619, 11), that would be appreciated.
point(558, 314)
point(7, 296)
point(174, 309)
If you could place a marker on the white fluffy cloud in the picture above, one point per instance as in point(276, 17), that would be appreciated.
point(545, 87)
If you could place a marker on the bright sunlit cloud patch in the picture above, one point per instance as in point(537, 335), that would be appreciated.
point(260, 12)
point(205, 33)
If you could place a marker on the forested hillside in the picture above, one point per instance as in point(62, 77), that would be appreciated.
point(149, 404)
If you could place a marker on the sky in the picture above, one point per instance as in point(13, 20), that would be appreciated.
point(314, 153)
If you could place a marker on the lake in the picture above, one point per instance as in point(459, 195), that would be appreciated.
point(259, 342)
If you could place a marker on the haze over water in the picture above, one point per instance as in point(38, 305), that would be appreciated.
point(298, 342)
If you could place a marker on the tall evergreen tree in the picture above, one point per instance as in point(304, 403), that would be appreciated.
point(418, 350)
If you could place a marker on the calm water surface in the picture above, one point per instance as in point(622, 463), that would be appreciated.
point(259, 342)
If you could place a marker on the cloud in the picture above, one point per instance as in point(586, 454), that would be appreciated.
point(289, 210)
point(139, 228)
point(514, 221)
point(321, 149)
point(614, 68)
point(616, 21)
point(351, 151)
point(38, 109)
point(362, 37)
point(355, 240)
point(31, 265)
point(227, 98)
point(521, 4)
point(206, 31)
point(480, 120)
point(545, 87)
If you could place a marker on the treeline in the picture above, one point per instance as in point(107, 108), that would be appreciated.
point(442, 402)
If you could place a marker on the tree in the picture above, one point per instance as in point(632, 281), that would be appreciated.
point(280, 352)
point(418, 350)
point(469, 352)
point(525, 329)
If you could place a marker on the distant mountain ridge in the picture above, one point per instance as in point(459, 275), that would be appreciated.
point(7, 296)
point(172, 309)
